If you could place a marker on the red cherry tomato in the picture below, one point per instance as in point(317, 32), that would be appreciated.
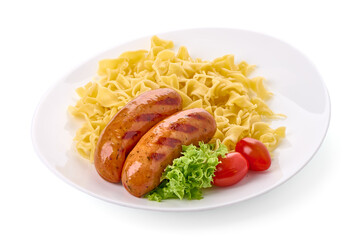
point(255, 152)
point(231, 170)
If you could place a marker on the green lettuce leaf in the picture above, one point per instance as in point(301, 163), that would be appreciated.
point(189, 173)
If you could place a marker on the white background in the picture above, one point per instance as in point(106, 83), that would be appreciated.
point(43, 40)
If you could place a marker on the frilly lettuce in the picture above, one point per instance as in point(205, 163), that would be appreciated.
point(189, 173)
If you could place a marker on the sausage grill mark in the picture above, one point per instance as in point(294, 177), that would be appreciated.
point(147, 117)
point(130, 134)
point(186, 128)
point(196, 116)
point(169, 101)
point(157, 156)
point(171, 142)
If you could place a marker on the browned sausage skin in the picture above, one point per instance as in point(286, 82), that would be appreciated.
point(161, 145)
point(126, 128)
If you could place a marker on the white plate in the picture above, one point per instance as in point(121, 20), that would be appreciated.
point(299, 92)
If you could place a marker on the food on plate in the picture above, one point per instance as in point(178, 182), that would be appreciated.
point(190, 173)
point(158, 148)
point(147, 108)
point(221, 87)
point(127, 127)
point(231, 169)
point(255, 152)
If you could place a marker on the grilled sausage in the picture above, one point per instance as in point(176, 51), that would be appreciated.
point(126, 128)
point(161, 145)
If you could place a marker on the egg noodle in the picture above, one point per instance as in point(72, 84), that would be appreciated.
point(221, 87)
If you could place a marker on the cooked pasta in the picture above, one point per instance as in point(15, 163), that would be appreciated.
point(221, 87)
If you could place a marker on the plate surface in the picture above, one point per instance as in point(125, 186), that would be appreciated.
point(299, 92)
